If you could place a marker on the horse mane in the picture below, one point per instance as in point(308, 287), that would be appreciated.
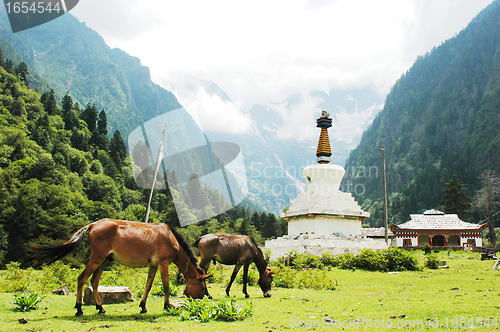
point(259, 251)
point(187, 248)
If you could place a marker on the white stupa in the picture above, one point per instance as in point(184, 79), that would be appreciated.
point(323, 219)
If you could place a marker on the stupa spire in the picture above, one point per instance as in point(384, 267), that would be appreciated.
point(324, 152)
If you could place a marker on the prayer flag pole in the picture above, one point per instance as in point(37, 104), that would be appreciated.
point(158, 162)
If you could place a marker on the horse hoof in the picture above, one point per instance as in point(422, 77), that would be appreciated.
point(102, 312)
point(247, 296)
point(143, 311)
point(210, 297)
point(79, 314)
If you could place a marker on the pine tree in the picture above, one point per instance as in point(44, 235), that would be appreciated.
point(48, 99)
point(102, 124)
point(70, 115)
point(454, 200)
point(67, 102)
point(117, 149)
point(89, 115)
point(23, 72)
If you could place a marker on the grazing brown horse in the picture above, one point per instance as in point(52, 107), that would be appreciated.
point(239, 250)
point(132, 244)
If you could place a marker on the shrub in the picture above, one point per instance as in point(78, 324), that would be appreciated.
point(56, 275)
point(302, 261)
point(27, 301)
point(392, 259)
point(288, 277)
point(401, 260)
point(431, 261)
point(18, 280)
point(345, 261)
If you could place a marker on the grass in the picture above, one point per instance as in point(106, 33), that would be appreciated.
point(363, 300)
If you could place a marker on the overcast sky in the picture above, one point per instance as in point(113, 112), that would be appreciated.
point(264, 51)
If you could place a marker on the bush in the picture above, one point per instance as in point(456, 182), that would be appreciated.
point(431, 261)
point(18, 280)
point(56, 275)
point(392, 259)
point(288, 277)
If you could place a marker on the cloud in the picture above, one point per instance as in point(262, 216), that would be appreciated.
point(265, 51)
point(211, 110)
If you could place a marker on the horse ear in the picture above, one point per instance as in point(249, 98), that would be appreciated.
point(203, 277)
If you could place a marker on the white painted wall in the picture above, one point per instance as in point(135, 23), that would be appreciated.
point(325, 226)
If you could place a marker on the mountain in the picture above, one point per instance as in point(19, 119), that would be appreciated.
point(440, 118)
point(74, 58)
point(67, 56)
point(277, 149)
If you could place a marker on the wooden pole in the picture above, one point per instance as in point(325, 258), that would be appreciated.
point(158, 162)
point(386, 214)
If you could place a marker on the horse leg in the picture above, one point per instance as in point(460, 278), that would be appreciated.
point(237, 267)
point(245, 279)
point(166, 286)
point(204, 264)
point(96, 276)
point(149, 283)
point(82, 279)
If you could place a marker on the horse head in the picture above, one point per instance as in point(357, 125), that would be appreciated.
point(196, 287)
point(265, 282)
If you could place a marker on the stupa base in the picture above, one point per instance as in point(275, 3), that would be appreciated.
point(319, 244)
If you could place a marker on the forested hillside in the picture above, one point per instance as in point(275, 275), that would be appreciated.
point(72, 57)
point(60, 171)
point(441, 118)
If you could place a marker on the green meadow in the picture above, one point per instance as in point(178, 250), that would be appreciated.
point(464, 296)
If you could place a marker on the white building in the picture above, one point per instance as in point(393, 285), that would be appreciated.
point(436, 228)
point(323, 219)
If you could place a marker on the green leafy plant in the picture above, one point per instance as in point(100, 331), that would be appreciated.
point(197, 310)
point(228, 310)
point(173, 311)
point(204, 310)
point(27, 301)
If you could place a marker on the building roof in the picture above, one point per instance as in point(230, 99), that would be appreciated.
point(435, 219)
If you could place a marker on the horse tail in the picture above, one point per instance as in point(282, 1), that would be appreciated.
point(197, 242)
point(48, 255)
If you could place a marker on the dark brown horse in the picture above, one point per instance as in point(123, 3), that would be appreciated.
point(132, 244)
point(239, 250)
